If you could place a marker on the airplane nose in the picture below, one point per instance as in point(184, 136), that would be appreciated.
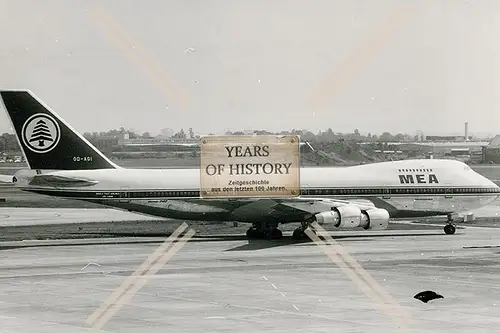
point(487, 183)
point(494, 183)
point(483, 179)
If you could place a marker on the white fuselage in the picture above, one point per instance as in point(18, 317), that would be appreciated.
point(408, 188)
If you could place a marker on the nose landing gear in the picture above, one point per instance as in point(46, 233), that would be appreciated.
point(450, 228)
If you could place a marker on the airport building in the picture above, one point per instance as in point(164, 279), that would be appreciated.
point(491, 152)
point(466, 151)
point(469, 151)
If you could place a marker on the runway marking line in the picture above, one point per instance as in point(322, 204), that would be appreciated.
point(136, 281)
point(364, 280)
point(281, 293)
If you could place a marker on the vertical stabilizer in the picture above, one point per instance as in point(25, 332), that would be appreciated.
point(47, 141)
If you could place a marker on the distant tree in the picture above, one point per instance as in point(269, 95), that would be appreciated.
point(400, 137)
point(180, 135)
point(308, 136)
point(262, 132)
point(386, 136)
point(8, 142)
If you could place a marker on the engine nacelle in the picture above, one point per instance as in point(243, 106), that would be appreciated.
point(375, 219)
point(341, 217)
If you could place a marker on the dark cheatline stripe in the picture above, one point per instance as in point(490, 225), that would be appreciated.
point(360, 192)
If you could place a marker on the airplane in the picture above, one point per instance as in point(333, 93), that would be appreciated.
point(64, 164)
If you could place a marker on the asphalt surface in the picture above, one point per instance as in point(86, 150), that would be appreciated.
point(72, 223)
point(225, 286)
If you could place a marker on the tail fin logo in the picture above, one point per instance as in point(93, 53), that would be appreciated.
point(41, 133)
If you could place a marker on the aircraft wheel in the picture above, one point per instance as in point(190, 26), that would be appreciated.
point(252, 233)
point(449, 229)
point(275, 234)
point(298, 234)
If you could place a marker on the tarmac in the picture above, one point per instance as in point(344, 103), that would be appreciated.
point(233, 286)
point(42, 216)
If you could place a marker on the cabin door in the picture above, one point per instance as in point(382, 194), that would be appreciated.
point(386, 193)
point(124, 194)
point(448, 192)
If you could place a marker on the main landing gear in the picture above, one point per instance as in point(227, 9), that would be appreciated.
point(264, 230)
point(450, 228)
point(299, 233)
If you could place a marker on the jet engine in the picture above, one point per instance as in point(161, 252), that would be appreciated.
point(351, 216)
point(375, 219)
point(342, 217)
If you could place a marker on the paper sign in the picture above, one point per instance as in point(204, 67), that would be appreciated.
point(250, 166)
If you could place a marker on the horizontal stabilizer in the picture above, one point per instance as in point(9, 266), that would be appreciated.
point(59, 181)
point(6, 179)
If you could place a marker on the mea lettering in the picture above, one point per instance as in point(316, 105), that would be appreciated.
point(419, 179)
point(247, 151)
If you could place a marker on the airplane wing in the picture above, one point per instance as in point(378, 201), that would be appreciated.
point(342, 213)
point(317, 205)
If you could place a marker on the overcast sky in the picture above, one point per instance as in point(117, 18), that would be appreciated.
point(380, 65)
